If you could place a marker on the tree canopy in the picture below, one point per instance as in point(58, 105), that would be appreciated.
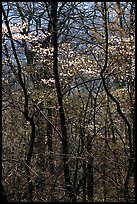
point(68, 101)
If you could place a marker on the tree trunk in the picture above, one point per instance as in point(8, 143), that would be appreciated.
point(90, 180)
point(68, 186)
point(49, 140)
point(4, 195)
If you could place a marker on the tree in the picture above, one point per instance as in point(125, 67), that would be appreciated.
point(68, 101)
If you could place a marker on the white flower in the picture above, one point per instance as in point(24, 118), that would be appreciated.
point(44, 81)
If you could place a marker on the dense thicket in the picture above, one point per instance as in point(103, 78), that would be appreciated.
point(68, 101)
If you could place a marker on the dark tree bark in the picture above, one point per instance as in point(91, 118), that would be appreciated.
point(49, 141)
point(68, 185)
point(26, 108)
point(4, 198)
point(90, 180)
point(121, 114)
point(84, 181)
point(89, 177)
point(49, 109)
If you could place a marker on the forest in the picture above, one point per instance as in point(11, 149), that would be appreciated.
point(68, 102)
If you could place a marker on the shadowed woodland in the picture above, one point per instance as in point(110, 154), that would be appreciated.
point(68, 101)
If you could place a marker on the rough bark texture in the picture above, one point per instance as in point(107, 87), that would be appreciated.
point(26, 109)
point(68, 186)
